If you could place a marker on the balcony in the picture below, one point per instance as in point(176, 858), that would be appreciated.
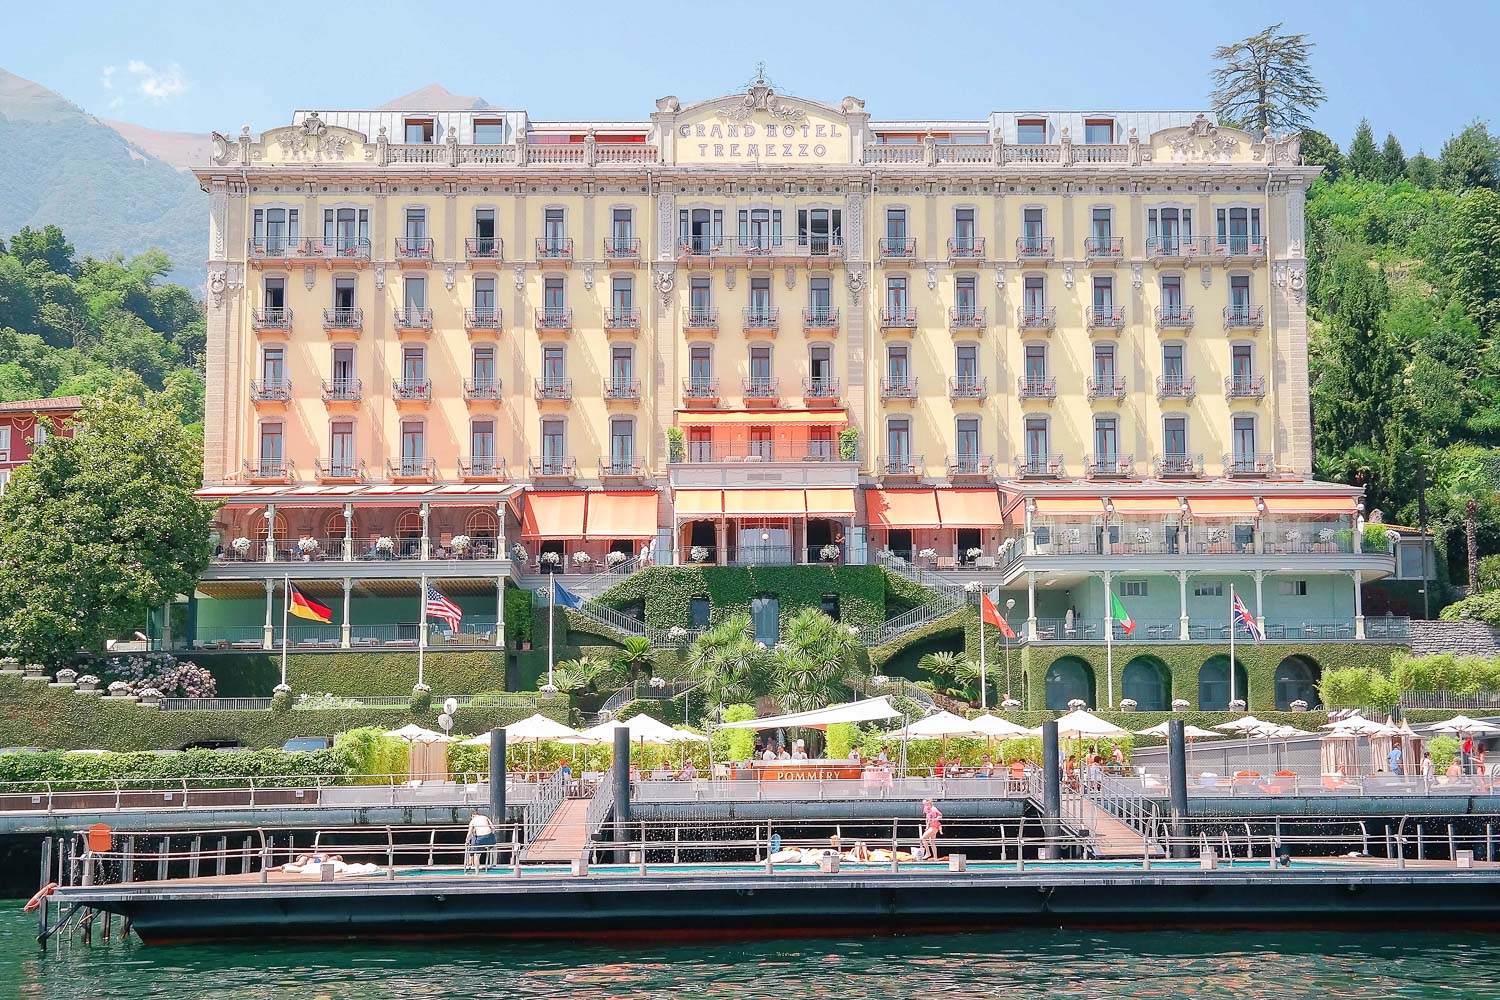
point(1244, 317)
point(1174, 318)
point(1106, 387)
point(268, 470)
point(554, 249)
point(717, 463)
point(968, 387)
point(820, 320)
point(551, 467)
point(1179, 465)
point(1104, 249)
point(342, 390)
point(1245, 386)
point(339, 470)
point(621, 468)
point(1036, 248)
point(413, 249)
point(554, 319)
point(486, 390)
point(901, 467)
point(411, 469)
point(762, 319)
point(904, 318)
point(411, 390)
point(1248, 466)
point(271, 390)
point(1176, 386)
point(965, 248)
point(1110, 466)
point(1037, 387)
point(700, 392)
point(1251, 248)
point(622, 390)
point(897, 248)
point(1163, 249)
point(274, 248)
point(483, 469)
point(483, 318)
point(701, 319)
point(898, 387)
point(274, 318)
point(1037, 318)
point(820, 391)
point(1105, 319)
point(1039, 466)
point(412, 319)
point(553, 390)
point(623, 320)
point(971, 466)
point(816, 246)
point(761, 389)
point(700, 247)
point(622, 248)
point(343, 319)
point(962, 318)
point(490, 248)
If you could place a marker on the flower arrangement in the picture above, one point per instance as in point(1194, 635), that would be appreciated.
point(1291, 536)
point(9, 663)
point(1143, 535)
point(1010, 704)
point(658, 682)
point(87, 682)
point(973, 552)
point(518, 552)
point(1077, 705)
point(615, 558)
point(461, 543)
point(162, 671)
point(1392, 536)
point(307, 545)
point(698, 553)
point(120, 689)
point(419, 689)
point(1181, 704)
point(551, 558)
point(385, 544)
point(1237, 705)
point(1007, 546)
point(829, 553)
point(854, 630)
point(1074, 536)
point(241, 546)
point(1325, 535)
point(1128, 704)
point(67, 676)
point(149, 695)
point(928, 553)
point(1298, 706)
point(1216, 534)
point(677, 633)
point(582, 559)
point(34, 670)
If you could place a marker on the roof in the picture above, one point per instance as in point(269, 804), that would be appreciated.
point(50, 403)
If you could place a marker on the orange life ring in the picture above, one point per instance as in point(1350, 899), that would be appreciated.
point(35, 902)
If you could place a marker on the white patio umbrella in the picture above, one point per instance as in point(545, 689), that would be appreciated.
point(939, 725)
point(994, 726)
point(1191, 732)
point(1081, 725)
point(1464, 725)
point(413, 733)
point(1358, 725)
point(644, 730)
point(1246, 724)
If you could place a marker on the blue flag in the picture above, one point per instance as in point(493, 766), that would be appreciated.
point(562, 595)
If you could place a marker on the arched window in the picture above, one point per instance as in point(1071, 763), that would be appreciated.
point(1069, 679)
point(1213, 684)
point(1296, 680)
point(1148, 683)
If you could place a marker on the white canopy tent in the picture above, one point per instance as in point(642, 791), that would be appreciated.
point(413, 733)
point(868, 710)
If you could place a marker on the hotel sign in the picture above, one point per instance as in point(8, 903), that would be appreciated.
point(765, 141)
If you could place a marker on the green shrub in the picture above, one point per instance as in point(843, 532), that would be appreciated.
point(676, 444)
point(1374, 539)
point(76, 770)
point(1463, 675)
point(1358, 687)
point(1488, 575)
point(840, 740)
point(1483, 607)
point(849, 444)
point(738, 744)
point(1443, 750)
point(321, 702)
point(517, 615)
point(368, 751)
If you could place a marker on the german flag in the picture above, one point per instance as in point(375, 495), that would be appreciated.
point(305, 607)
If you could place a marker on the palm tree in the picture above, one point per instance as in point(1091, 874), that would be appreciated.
point(724, 660)
point(953, 671)
point(635, 656)
point(816, 662)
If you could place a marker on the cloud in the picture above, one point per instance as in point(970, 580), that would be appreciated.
point(157, 85)
point(116, 103)
point(107, 78)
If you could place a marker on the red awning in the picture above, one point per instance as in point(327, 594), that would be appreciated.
point(902, 508)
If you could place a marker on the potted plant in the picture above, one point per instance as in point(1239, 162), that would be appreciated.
point(88, 682)
point(582, 559)
point(518, 553)
point(1074, 536)
point(698, 553)
point(927, 555)
point(421, 697)
point(34, 672)
point(1237, 705)
point(1127, 704)
point(241, 546)
point(1143, 537)
point(676, 445)
point(121, 689)
point(849, 444)
point(385, 546)
point(614, 558)
point(1180, 705)
point(1299, 705)
point(461, 544)
point(9, 665)
point(1216, 539)
point(829, 553)
point(972, 553)
point(281, 698)
point(677, 634)
point(1325, 540)
point(150, 697)
point(66, 676)
point(1077, 705)
point(308, 547)
point(551, 560)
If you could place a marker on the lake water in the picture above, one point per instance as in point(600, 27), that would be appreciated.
point(1022, 964)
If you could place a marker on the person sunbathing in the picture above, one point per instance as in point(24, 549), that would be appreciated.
point(308, 860)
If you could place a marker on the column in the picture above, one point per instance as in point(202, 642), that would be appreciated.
point(346, 631)
point(502, 551)
point(1177, 786)
point(499, 612)
point(1260, 603)
point(166, 622)
point(425, 552)
point(270, 532)
point(348, 532)
point(1030, 606)
point(1051, 789)
point(1182, 619)
point(1109, 615)
point(268, 637)
point(1359, 606)
point(422, 612)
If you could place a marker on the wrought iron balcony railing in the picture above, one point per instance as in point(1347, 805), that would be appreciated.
point(900, 318)
point(901, 466)
point(966, 464)
point(966, 248)
point(408, 390)
point(1037, 387)
point(411, 467)
point(1105, 317)
point(554, 248)
point(968, 386)
point(271, 390)
point(482, 389)
point(343, 318)
point(484, 248)
point(413, 248)
point(1104, 247)
point(1176, 386)
point(483, 467)
point(762, 318)
point(1174, 317)
point(622, 389)
point(1106, 387)
point(554, 318)
point(820, 318)
point(1039, 466)
point(701, 318)
point(271, 318)
point(700, 388)
point(1110, 466)
point(339, 467)
point(622, 318)
point(1244, 317)
point(413, 318)
point(342, 390)
point(1173, 247)
point(1036, 317)
point(553, 467)
point(1245, 386)
point(1175, 465)
point(897, 248)
point(483, 318)
point(967, 317)
point(1246, 464)
point(898, 387)
point(554, 389)
point(622, 248)
point(1036, 247)
point(1239, 246)
point(821, 389)
point(761, 387)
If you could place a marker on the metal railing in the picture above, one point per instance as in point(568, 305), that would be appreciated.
point(968, 386)
point(1110, 466)
point(554, 318)
point(898, 319)
point(482, 388)
point(820, 388)
point(901, 465)
point(1178, 465)
point(342, 390)
point(761, 387)
point(1239, 246)
point(1106, 317)
point(1104, 247)
point(967, 317)
point(1174, 246)
point(413, 318)
point(554, 248)
point(485, 467)
point(1244, 317)
point(622, 389)
point(762, 318)
point(1174, 317)
point(966, 464)
point(1259, 464)
point(701, 318)
point(545, 801)
point(897, 247)
point(622, 319)
point(553, 388)
point(752, 452)
point(1106, 387)
point(820, 318)
point(411, 467)
point(339, 468)
point(622, 248)
point(1245, 386)
point(620, 468)
point(1039, 466)
point(287, 248)
point(966, 247)
point(700, 388)
point(601, 806)
point(898, 387)
point(271, 390)
point(413, 248)
point(483, 318)
point(271, 318)
point(412, 389)
point(1036, 247)
point(343, 318)
point(1036, 387)
point(1036, 317)
point(484, 248)
point(1176, 386)
point(553, 468)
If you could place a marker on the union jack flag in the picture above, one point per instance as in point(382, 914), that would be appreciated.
point(439, 606)
point(1243, 616)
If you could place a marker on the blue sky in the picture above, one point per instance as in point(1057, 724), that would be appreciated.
point(1420, 70)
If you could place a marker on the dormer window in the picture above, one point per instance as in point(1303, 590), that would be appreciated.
point(1098, 131)
point(489, 131)
point(420, 131)
point(1031, 131)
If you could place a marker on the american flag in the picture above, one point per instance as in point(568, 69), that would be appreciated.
point(439, 606)
point(1243, 616)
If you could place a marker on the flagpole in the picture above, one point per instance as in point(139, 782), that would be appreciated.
point(1109, 642)
point(286, 601)
point(551, 632)
point(983, 676)
point(1231, 650)
point(422, 632)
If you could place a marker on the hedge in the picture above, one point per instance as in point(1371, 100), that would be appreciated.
point(354, 672)
point(144, 768)
point(55, 718)
point(517, 615)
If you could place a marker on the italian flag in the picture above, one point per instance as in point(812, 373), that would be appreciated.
point(1120, 615)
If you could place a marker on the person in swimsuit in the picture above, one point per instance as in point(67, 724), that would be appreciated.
point(934, 821)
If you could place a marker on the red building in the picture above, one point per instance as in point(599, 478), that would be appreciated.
point(26, 423)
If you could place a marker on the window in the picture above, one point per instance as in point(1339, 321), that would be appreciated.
point(416, 226)
point(1237, 229)
point(1239, 297)
point(413, 364)
point(343, 294)
point(760, 229)
point(820, 300)
point(413, 446)
point(1036, 441)
point(820, 364)
point(554, 298)
point(762, 444)
point(760, 300)
point(895, 296)
point(820, 443)
point(698, 610)
point(898, 364)
point(1171, 297)
point(622, 230)
point(1106, 443)
point(898, 443)
point(341, 449)
point(1132, 588)
point(5, 443)
point(1098, 131)
point(42, 432)
point(484, 297)
point(1242, 361)
point(965, 298)
point(1034, 299)
point(1174, 440)
point(700, 366)
point(1291, 588)
point(896, 242)
point(420, 131)
point(1208, 588)
point(622, 297)
point(829, 605)
point(1033, 239)
point(622, 368)
point(966, 440)
point(554, 231)
point(273, 365)
point(700, 444)
point(1104, 298)
point(621, 445)
point(482, 445)
point(700, 299)
point(489, 131)
point(765, 618)
point(483, 366)
point(1409, 561)
point(820, 230)
point(274, 294)
point(1166, 228)
point(554, 445)
point(554, 365)
point(1244, 443)
point(1101, 227)
point(1036, 365)
point(275, 229)
point(343, 368)
point(346, 230)
point(1172, 362)
point(272, 438)
point(1030, 131)
point(966, 363)
point(965, 235)
point(485, 242)
point(701, 230)
point(1104, 363)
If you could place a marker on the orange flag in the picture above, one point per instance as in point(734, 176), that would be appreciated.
point(992, 616)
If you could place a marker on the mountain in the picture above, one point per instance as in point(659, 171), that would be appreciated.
point(183, 150)
point(435, 97)
point(110, 194)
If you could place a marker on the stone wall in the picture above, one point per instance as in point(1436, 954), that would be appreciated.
point(1459, 638)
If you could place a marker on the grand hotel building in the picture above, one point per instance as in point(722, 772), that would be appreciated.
point(1061, 352)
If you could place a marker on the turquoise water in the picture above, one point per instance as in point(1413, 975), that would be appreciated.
point(908, 866)
point(1021, 964)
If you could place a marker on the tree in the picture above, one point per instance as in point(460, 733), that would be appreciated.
point(1470, 159)
point(98, 528)
point(1320, 151)
point(1364, 158)
point(1422, 170)
point(725, 661)
point(1470, 260)
point(634, 656)
point(812, 667)
point(46, 246)
point(1264, 81)
point(1392, 160)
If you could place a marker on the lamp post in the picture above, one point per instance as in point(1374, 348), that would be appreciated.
point(1010, 605)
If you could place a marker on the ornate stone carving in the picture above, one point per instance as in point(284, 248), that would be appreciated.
point(760, 97)
point(588, 276)
point(219, 213)
point(236, 276)
point(450, 276)
point(855, 278)
point(308, 276)
point(379, 275)
point(1068, 275)
point(1202, 140)
point(520, 277)
point(1297, 278)
point(729, 273)
point(1207, 276)
point(226, 150)
point(670, 105)
point(1295, 226)
point(931, 275)
point(854, 225)
point(666, 224)
point(1136, 278)
point(218, 283)
point(1278, 275)
point(791, 276)
point(666, 277)
point(999, 275)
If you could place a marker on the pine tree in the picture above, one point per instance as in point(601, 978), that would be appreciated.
point(1320, 151)
point(1364, 158)
point(1392, 160)
point(1470, 159)
point(1264, 81)
point(1422, 170)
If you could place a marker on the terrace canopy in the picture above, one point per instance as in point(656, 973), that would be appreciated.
point(940, 725)
point(1081, 725)
point(642, 729)
point(868, 710)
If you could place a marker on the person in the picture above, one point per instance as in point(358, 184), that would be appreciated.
point(1468, 754)
point(1117, 760)
point(306, 860)
point(1393, 759)
point(987, 769)
point(1070, 773)
point(933, 827)
point(937, 769)
point(480, 839)
point(688, 772)
point(799, 751)
point(1479, 759)
point(860, 853)
point(1096, 770)
point(1428, 768)
point(1455, 770)
point(884, 756)
point(770, 754)
point(854, 755)
point(760, 748)
point(781, 753)
point(565, 769)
